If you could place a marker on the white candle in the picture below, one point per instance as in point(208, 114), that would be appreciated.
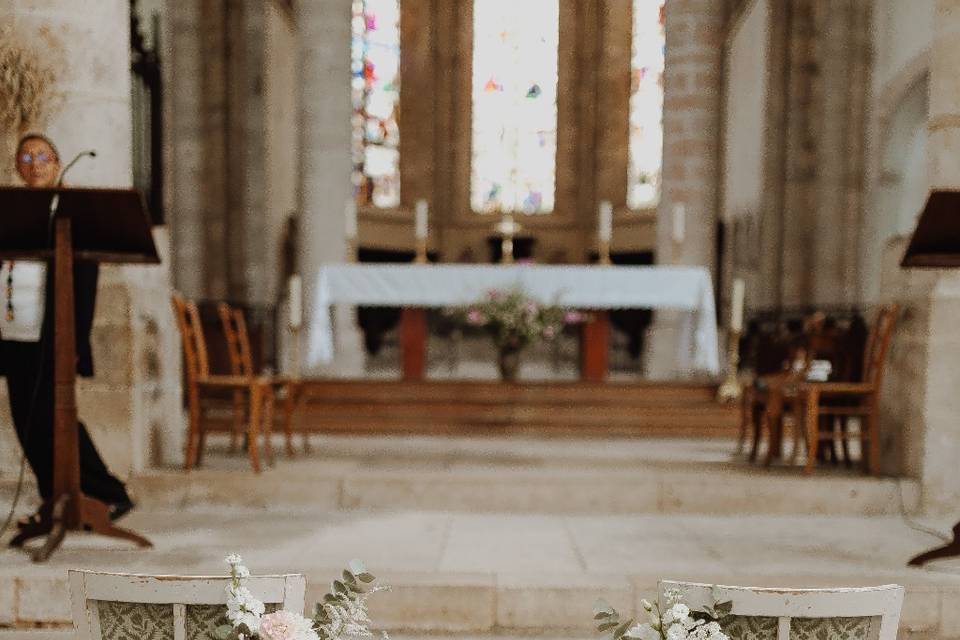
point(350, 219)
point(295, 301)
point(736, 305)
point(679, 230)
point(605, 223)
point(421, 226)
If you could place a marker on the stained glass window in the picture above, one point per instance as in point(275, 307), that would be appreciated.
point(375, 64)
point(514, 105)
point(646, 105)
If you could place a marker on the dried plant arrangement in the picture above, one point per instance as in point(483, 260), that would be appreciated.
point(28, 79)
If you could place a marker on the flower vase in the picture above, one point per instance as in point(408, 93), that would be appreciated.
point(509, 364)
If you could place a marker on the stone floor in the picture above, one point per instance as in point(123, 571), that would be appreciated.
point(488, 536)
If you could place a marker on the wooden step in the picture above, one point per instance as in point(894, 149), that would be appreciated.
point(493, 392)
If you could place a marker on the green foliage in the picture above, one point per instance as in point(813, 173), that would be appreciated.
point(343, 611)
point(608, 620)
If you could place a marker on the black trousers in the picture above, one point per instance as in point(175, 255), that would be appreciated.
point(27, 377)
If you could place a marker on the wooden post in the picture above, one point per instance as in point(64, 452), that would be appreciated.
point(594, 340)
point(413, 342)
point(66, 449)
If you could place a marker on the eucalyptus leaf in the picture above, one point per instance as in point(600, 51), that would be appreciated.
point(606, 626)
point(601, 606)
point(357, 567)
point(223, 632)
point(622, 629)
point(365, 577)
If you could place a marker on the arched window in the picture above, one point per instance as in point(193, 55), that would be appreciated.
point(375, 64)
point(646, 105)
point(514, 137)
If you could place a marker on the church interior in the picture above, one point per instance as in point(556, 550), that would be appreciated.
point(523, 303)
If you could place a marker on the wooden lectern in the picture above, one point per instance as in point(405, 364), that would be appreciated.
point(95, 225)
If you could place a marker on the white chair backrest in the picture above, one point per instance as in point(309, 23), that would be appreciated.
point(158, 607)
point(869, 613)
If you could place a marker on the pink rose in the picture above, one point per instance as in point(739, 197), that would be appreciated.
point(476, 318)
point(572, 317)
point(284, 625)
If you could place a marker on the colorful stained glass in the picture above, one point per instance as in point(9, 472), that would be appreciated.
point(646, 105)
point(515, 59)
point(375, 65)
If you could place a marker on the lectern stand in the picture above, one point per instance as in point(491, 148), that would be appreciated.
point(93, 225)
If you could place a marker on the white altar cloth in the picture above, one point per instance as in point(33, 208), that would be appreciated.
point(687, 289)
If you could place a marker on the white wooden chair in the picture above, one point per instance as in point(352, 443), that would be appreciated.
point(110, 606)
point(869, 613)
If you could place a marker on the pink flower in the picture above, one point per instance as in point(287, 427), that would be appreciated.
point(572, 317)
point(549, 332)
point(284, 625)
point(493, 294)
point(476, 318)
point(532, 309)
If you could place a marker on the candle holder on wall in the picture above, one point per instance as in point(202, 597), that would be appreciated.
point(507, 228)
point(731, 390)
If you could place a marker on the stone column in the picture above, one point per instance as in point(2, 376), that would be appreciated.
point(325, 109)
point(691, 128)
point(133, 404)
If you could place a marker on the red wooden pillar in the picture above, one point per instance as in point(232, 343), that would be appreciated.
point(413, 342)
point(594, 340)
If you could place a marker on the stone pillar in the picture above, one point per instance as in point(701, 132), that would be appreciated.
point(691, 128)
point(132, 405)
point(325, 111)
point(944, 120)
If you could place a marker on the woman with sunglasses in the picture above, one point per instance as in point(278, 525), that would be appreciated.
point(26, 349)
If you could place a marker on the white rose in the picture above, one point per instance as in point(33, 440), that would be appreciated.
point(233, 559)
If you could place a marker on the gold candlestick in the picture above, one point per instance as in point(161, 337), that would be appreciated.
point(351, 250)
point(604, 252)
point(730, 390)
point(421, 257)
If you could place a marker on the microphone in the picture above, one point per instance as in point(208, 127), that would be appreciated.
point(55, 201)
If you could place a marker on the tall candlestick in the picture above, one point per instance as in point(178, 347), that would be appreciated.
point(605, 222)
point(736, 305)
point(421, 227)
point(295, 301)
point(679, 230)
point(350, 219)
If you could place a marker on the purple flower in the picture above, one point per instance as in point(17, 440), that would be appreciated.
point(572, 317)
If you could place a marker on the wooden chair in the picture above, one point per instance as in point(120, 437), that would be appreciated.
point(851, 399)
point(110, 606)
point(208, 394)
point(868, 613)
point(241, 364)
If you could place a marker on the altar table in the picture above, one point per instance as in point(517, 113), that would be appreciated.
point(416, 287)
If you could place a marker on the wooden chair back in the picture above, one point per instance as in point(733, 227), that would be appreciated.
point(238, 339)
point(878, 342)
point(869, 613)
point(111, 606)
point(194, 343)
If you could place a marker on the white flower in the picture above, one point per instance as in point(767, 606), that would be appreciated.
point(646, 605)
point(679, 611)
point(676, 632)
point(233, 559)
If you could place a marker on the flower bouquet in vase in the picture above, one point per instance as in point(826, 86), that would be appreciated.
point(514, 321)
point(341, 613)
